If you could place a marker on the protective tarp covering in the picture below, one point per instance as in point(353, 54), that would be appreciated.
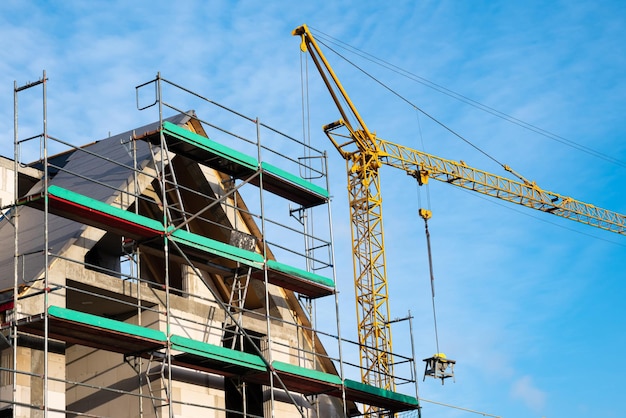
point(109, 161)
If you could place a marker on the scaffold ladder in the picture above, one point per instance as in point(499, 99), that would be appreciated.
point(155, 372)
point(236, 303)
point(175, 209)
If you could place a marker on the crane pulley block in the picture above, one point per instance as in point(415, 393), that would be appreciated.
point(425, 214)
point(421, 175)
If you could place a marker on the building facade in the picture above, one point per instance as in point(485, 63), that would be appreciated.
point(171, 271)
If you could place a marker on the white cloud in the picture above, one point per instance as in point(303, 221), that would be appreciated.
point(525, 390)
point(504, 282)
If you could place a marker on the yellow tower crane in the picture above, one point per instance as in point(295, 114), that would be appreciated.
point(365, 154)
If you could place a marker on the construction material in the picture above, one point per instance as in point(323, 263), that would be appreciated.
point(111, 335)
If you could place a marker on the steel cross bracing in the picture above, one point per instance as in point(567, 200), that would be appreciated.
point(370, 274)
point(368, 248)
point(365, 154)
point(524, 193)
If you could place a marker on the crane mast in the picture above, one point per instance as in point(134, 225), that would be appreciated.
point(368, 245)
point(365, 154)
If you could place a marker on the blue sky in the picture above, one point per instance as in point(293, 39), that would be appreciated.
point(530, 306)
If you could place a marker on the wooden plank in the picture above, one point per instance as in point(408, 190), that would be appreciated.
point(239, 165)
point(215, 359)
point(297, 280)
point(382, 398)
point(93, 331)
point(83, 209)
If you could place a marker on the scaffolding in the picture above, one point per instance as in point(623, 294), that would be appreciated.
point(175, 270)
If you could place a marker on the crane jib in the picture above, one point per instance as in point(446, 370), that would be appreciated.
point(365, 153)
point(523, 193)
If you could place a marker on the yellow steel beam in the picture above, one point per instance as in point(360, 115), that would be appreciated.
point(525, 193)
point(365, 154)
point(368, 248)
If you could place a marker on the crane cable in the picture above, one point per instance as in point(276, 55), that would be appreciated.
point(460, 97)
point(427, 214)
point(428, 115)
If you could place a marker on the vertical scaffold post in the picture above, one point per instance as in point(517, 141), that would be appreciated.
point(268, 353)
point(166, 255)
point(16, 255)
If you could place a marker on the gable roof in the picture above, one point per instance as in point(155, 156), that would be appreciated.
point(109, 161)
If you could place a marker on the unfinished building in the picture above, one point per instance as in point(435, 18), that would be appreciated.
point(173, 271)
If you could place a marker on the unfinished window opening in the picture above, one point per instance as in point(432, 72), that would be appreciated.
point(105, 256)
point(235, 392)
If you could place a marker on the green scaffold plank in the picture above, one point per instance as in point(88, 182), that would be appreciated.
point(294, 271)
point(307, 373)
point(380, 393)
point(99, 206)
point(221, 249)
point(210, 145)
point(217, 353)
point(106, 323)
point(240, 158)
point(295, 179)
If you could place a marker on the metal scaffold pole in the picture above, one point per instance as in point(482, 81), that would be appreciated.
point(43, 148)
point(135, 240)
